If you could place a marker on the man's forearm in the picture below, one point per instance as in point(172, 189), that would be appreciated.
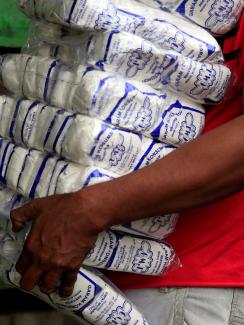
point(208, 169)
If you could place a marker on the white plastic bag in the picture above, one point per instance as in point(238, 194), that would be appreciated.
point(161, 28)
point(126, 104)
point(93, 301)
point(40, 176)
point(135, 58)
point(80, 139)
point(217, 16)
point(112, 251)
point(36, 174)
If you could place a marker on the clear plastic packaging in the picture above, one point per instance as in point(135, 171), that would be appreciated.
point(36, 174)
point(122, 253)
point(114, 251)
point(9, 200)
point(156, 227)
point(161, 28)
point(138, 59)
point(93, 301)
point(78, 138)
point(126, 104)
point(33, 179)
point(217, 16)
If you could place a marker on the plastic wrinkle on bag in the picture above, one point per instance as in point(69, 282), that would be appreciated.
point(217, 16)
point(93, 301)
point(54, 130)
point(156, 227)
point(137, 59)
point(112, 251)
point(127, 104)
point(122, 253)
point(161, 28)
point(171, 39)
point(34, 174)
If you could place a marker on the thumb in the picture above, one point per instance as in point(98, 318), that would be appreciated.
point(20, 216)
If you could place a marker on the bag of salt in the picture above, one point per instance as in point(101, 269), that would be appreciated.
point(93, 301)
point(217, 16)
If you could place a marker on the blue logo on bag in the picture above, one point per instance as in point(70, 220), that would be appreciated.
point(205, 80)
point(133, 22)
point(138, 60)
point(117, 155)
point(175, 43)
point(121, 315)
point(108, 20)
point(163, 68)
point(144, 117)
point(220, 11)
point(143, 259)
point(188, 129)
point(159, 222)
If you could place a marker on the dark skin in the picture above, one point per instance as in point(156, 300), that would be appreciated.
point(65, 227)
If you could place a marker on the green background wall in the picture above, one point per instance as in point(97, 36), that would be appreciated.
point(13, 25)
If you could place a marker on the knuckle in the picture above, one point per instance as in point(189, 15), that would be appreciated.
point(61, 264)
point(47, 290)
point(42, 259)
point(30, 248)
point(67, 291)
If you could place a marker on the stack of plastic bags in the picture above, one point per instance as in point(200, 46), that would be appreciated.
point(217, 16)
point(100, 91)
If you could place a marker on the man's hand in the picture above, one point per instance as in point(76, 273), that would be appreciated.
point(63, 231)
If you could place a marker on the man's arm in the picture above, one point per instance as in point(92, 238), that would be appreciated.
point(201, 172)
point(65, 227)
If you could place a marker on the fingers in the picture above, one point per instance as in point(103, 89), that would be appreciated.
point(31, 277)
point(67, 283)
point(20, 216)
point(50, 282)
point(23, 263)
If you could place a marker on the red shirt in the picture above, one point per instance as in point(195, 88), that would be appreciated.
point(209, 241)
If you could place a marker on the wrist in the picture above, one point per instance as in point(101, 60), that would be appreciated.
point(96, 203)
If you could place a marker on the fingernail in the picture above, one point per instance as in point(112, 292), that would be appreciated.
point(65, 294)
point(47, 291)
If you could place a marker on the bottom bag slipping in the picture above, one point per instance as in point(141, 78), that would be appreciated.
point(94, 299)
point(112, 251)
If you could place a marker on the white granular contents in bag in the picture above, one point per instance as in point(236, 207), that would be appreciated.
point(12, 160)
point(126, 104)
point(130, 254)
point(122, 310)
point(32, 170)
point(36, 174)
point(161, 28)
point(56, 83)
point(218, 16)
point(93, 300)
point(81, 139)
point(9, 200)
point(135, 58)
point(155, 227)
point(135, 106)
